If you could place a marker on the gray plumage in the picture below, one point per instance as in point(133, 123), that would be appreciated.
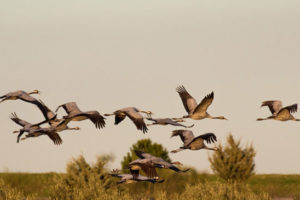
point(166, 121)
point(34, 130)
point(22, 95)
point(58, 124)
point(194, 110)
point(26, 125)
point(75, 114)
point(135, 116)
point(49, 115)
point(148, 163)
point(194, 143)
point(134, 176)
point(274, 106)
point(278, 112)
point(50, 132)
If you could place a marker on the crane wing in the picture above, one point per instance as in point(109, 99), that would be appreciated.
point(55, 138)
point(188, 101)
point(138, 120)
point(26, 97)
point(19, 121)
point(205, 103)
point(185, 135)
point(48, 114)
point(70, 107)
point(274, 106)
point(96, 118)
point(208, 137)
point(142, 154)
point(292, 109)
point(150, 171)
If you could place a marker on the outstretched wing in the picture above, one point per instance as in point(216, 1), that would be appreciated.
point(96, 118)
point(185, 135)
point(70, 107)
point(188, 101)
point(205, 103)
point(19, 121)
point(208, 137)
point(161, 163)
point(138, 120)
point(26, 97)
point(144, 164)
point(292, 109)
point(274, 106)
point(149, 171)
point(48, 114)
point(55, 138)
point(142, 154)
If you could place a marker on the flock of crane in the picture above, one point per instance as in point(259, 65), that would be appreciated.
point(146, 162)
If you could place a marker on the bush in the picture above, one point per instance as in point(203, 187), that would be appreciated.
point(84, 181)
point(147, 146)
point(233, 163)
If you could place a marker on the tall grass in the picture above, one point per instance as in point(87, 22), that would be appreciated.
point(10, 193)
point(85, 181)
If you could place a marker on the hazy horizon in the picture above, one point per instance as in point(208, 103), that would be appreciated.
point(106, 55)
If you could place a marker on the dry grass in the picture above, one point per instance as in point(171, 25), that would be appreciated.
point(84, 181)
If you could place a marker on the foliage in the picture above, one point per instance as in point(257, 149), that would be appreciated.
point(84, 181)
point(145, 145)
point(233, 163)
point(9, 193)
point(274, 184)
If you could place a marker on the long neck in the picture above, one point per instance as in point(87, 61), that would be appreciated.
point(188, 126)
point(142, 111)
point(219, 117)
point(209, 148)
point(107, 115)
point(260, 119)
point(33, 92)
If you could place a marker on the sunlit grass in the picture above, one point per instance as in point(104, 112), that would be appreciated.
point(275, 185)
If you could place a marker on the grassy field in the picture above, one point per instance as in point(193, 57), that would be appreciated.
point(277, 185)
point(274, 184)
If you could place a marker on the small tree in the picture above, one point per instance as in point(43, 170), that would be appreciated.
point(233, 163)
point(145, 145)
point(83, 180)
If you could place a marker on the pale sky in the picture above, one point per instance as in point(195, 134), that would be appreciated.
point(107, 55)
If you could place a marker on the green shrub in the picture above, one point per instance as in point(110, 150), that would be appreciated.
point(86, 182)
point(147, 146)
point(233, 163)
